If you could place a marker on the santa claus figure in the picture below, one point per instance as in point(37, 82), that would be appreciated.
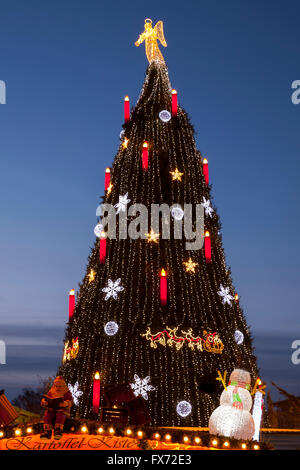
point(57, 403)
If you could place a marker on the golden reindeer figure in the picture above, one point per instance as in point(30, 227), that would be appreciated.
point(151, 36)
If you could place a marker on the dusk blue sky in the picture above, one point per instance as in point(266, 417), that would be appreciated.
point(67, 66)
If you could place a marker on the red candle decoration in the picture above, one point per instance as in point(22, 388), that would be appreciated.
point(205, 169)
point(207, 247)
point(107, 178)
point(71, 303)
point(96, 393)
point(163, 287)
point(126, 109)
point(174, 103)
point(145, 156)
point(102, 248)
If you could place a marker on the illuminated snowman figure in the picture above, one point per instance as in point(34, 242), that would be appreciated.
point(232, 418)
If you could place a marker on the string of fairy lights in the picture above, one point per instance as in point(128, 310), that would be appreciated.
point(174, 174)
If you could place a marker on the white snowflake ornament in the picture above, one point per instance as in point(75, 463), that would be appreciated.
point(141, 386)
point(75, 392)
point(226, 296)
point(207, 207)
point(112, 289)
point(121, 205)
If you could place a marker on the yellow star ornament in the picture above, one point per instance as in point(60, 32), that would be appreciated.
point(176, 175)
point(91, 276)
point(152, 236)
point(190, 265)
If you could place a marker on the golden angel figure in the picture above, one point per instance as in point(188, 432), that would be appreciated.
point(151, 36)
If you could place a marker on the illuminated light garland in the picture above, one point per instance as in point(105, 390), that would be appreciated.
point(126, 109)
point(210, 341)
point(176, 175)
point(70, 352)
point(120, 356)
point(71, 303)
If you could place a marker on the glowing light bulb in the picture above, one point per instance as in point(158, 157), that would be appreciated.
point(215, 442)
point(111, 430)
point(100, 430)
point(18, 432)
point(157, 436)
point(186, 439)
point(29, 430)
point(84, 429)
point(128, 432)
point(168, 437)
point(140, 433)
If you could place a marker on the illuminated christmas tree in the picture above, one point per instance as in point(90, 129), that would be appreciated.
point(149, 312)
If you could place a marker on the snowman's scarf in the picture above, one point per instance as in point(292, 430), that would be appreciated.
point(237, 402)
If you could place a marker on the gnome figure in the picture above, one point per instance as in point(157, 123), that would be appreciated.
point(232, 418)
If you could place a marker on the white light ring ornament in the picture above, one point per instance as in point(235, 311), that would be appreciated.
point(238, 337)
point(98, 230)
point(177, 213)
point(111, 328)
point(164, 115)
point(183, 408)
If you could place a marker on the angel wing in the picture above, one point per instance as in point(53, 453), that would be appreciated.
point(159, 30)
